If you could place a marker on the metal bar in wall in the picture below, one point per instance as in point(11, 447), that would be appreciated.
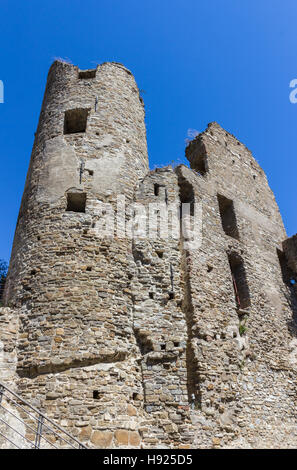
point(38, 432)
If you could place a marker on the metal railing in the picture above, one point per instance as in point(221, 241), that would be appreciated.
point(35, 431)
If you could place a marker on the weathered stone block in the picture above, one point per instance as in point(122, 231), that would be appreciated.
point(134, 439)
point(122, 437)
point(102, 439)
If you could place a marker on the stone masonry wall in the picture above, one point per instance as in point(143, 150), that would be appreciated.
point(145, 341)
point(70, 286)
point(246, 378)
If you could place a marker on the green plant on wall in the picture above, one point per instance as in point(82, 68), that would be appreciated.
point(241, 364)
point(242, 328)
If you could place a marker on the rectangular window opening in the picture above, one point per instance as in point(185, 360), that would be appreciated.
point(86, 74)
point(228, 217)
point(156, 189)
point(199, 165)
point(187, 196)
point(97, 395)
point(75, 120)
point(76, 202)
point(288, 275)
point(240, 285)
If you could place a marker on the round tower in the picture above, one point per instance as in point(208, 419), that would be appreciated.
point(68, 282)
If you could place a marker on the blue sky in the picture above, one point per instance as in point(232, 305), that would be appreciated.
point(197, 61)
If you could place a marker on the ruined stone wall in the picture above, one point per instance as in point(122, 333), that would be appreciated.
point(147, 340)
point(159, 321)
point(246, 380)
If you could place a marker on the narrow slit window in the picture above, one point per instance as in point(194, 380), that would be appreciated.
point(75, 121)
point(240, 285)
point(187, 196)
point(76, 202)
point(228, 217)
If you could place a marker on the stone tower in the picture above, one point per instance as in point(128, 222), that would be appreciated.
point(70, 286)
point(148, 341)
point(90, 145)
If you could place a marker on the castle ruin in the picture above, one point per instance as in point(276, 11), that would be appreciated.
point(143, 342)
